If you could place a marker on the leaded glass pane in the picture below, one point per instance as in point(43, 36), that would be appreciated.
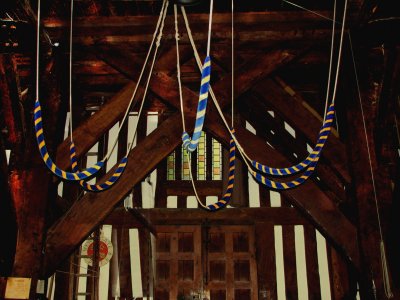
point(216, 160)
point(171, 166)
point(185, 165)
point(201, 158)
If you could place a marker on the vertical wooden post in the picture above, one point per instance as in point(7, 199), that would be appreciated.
point(358, 143)
point(145, 249)
point(29, 179)
point(266, 266)
point(313, 281)
point(7, 218)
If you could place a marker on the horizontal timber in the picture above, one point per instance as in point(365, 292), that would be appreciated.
point(197, 216)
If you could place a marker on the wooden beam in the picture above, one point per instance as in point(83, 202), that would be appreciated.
point(362, 160)
point(30, 182)
point(266, 265)
point(194, 216)
point(14, 124)
point(7, 218)
point(64, 236)
point(250, 27)
point(142, 220)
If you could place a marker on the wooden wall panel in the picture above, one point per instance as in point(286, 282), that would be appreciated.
point(314, 288)
point(266, 266)
point(289, 257)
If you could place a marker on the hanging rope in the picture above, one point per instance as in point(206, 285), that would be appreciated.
point(40, 139)
point(222, 202)
point(190, 144)
point(384, 264)
point(121, 166)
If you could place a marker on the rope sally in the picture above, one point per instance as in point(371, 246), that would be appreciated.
point(38, 122)
point(73, 176)
point(190, 144)
point(121, 166)
point(222, 202)
point(231, 178)
point(322, 138)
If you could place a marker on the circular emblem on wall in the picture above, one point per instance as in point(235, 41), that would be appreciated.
point(105, 253)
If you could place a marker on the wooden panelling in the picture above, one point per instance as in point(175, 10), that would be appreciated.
point(289, 257)
point(265, 256)
point(314, 287)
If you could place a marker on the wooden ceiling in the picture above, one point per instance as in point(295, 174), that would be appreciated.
point(281, 65)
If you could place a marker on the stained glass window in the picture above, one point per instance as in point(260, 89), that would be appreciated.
point(171, 166)
point(185, 165)
point(216, 160)
point(201, 158)
point(215, 155)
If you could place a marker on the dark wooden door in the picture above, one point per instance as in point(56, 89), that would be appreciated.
point(231, 270)
point(178, 261)
point(214, 263)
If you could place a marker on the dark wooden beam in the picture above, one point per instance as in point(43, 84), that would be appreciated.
point(30, 182)
point(190, 216)
point(7, 218)
point(250, 27)
point(362, 161)
point(142, 220)
point(185, 188)
point(12, 116)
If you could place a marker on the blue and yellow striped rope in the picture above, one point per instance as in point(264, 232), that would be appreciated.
point(73, 176)
point(190, 144)
point(102, 186)
point(322, 137)
point(289, 184)
point(231, 180)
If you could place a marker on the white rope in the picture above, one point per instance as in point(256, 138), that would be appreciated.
point(340, 52)
point(209, 27)
point(70, 69)
point(233, 63)
point(149, 76)
point(178, 67)
point(213, 97)
point(161, 16)
point(311, 11)
point(37, 50)
point(330, 60)
point(385, 272)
